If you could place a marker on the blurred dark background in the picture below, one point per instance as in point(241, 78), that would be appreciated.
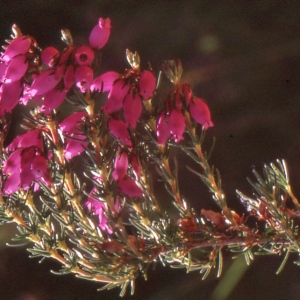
point(243, 57)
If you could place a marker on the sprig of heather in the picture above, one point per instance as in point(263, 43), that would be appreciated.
point(79, 184)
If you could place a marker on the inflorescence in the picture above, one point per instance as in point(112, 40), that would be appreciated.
point(80, 187)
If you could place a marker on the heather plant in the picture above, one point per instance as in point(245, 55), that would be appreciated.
point(80, 183)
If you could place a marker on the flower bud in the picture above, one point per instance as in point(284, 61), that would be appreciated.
point(100, 34)
point(147, 84)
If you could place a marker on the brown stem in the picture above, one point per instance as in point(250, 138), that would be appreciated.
point(189, 245)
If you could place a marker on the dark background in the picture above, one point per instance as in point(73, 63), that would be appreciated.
point(243, 57)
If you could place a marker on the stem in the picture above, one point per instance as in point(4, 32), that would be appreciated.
point(218, 194)
point(222, 242)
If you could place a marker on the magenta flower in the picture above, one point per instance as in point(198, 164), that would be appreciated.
point(70, 124)
point(12, 163)
point(119, 130)
point(48, 55)
point(66, 55)
point(16, 68)
point(75, 140)
point(176, 124)
point(3, 68)
point(128, 186)
point(84, 77)
point(69, 77)
point(100, 34)
point(200, 112)
point(120, 166)
point(44, 83)
point(23, 167)
point(84, 55)
point(147, 84)
point(31, 138)
point(162, 129)
point(187, 92)
point(170, 124)
point(52, 100)
point(104, 82)
point(98, 208)
point(9, 95)
point(39, 168)
point(12, 168)
point(132, 107)
point(119, 91)
point(18, 46)
point(75, 147)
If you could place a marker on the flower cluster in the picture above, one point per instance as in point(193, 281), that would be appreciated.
point(27, 163)
point(22, 79)
point(171, 121)
point(81, 186)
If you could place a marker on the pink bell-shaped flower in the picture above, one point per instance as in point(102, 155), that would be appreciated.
point(147, 84)
point(9, 95)
point(187, 92)
point(16, 68)
point(84, 77)
point(44, 82)
point(23, 167)
point(98, 208)
point(48, 55)
point(75, 140)
point(75, 147)
point(69, 77)
point(104, 82)
point(162, 129)
point(18, 46)
point(13, 162)
point(129, 187)
point(100, 34)
point(12, 183)
point(176, 124)
point(132, 108)
point(30, 138)
point(84, 55)
point(120, 166)
point(39, 169)
point(70, 124)
point(200, 112)
point(119, 130)
point(26, 175)
point(53, 99)
point(3, 68)
point(116, 96)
